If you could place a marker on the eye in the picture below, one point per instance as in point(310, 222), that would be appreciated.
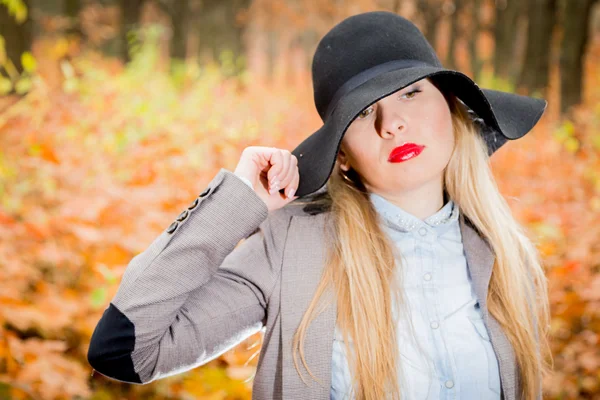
point(365, 113)
point(412, 92)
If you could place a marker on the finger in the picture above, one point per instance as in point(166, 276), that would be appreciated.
point(285, 162)
point(288, 174)
point(276, 163)
point(293, 185)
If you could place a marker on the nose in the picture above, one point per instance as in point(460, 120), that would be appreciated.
point(390, 120)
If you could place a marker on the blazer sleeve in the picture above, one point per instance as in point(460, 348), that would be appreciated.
point(195, 292)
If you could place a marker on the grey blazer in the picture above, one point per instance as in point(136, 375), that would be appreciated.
point(196, 292)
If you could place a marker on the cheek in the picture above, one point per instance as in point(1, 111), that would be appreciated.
point(363, 145)
point(442, 132)
point(365, 156)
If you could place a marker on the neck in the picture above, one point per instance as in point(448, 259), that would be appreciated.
point(421, 202)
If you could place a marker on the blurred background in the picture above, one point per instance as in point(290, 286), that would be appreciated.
point(115, 114)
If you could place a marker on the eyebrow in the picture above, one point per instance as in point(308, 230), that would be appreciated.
point(411, 86)
point(408, 88)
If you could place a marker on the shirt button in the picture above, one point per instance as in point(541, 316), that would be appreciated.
point(427, 276)
point(423, 231)
point(435, 325)
point(449, 384)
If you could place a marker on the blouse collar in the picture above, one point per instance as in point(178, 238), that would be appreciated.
point(399, 219)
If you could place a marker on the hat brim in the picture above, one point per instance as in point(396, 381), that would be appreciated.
point(507, 116)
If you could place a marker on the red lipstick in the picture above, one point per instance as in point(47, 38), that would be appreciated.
point(405, 152)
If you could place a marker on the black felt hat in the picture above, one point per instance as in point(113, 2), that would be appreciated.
point(371, 55)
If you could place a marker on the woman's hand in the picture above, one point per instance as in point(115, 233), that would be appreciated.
point(269, 168)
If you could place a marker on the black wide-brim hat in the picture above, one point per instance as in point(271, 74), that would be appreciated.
point(371, 55)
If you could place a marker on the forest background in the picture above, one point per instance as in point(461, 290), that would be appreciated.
point(114, 114)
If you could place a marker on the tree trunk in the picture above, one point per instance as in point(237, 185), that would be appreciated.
point(476, 64)
point(310, 40)
point(17, 36)
point(220, 33)
point(272, 54)
point(42, 13)
point(575, 37)
point(130, 17)
point(430, 10)
point(179, 23)
point(535, 72)
point(455, 34)
point(505, 32)
point(71, 10)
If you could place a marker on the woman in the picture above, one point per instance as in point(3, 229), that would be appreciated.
point(396, 270)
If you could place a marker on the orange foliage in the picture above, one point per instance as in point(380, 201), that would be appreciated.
point(88, 178)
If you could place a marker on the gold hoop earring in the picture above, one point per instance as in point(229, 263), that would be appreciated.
point(345, 176)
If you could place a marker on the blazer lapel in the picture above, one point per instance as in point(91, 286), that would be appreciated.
point(303, 264)
point(480, 260)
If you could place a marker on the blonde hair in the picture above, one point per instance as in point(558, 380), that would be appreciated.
point(361, 259)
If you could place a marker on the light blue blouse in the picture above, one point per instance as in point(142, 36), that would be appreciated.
point(450, 356)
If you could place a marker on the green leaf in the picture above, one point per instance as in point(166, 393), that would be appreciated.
point(17, 9)
point(572, 144)
point(98, 297)
point(20, 12)
point(23, 85)
point(2, 50)
point(35, 149)
point(28, 61)
point(569, 127)
point(5, 85)
point(547, 230)
point(596, 141)
point(565, 132)
point(107, 274)
point(70, 85)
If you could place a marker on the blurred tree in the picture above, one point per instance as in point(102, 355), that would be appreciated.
point(46, 15)
point(131, 11)
point(102, 24)
point(220, 32)
point(456, 32)
point(71, 10)
point(476, 63)
point(52, 7)
point(576, 22)
point(180, 22)
point(308, 40)
point(505, 37)
point(55, 18)
point(430, 11)
point(17, 33)
point(534, 74)
point(272, 49)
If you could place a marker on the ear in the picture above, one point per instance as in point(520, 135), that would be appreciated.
point(343, 159)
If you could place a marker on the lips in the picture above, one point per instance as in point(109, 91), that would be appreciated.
point(405, 152)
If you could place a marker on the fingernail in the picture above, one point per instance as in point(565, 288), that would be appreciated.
point(291, 193)
point(274, 180)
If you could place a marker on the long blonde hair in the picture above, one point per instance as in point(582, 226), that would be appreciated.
point(361, 259)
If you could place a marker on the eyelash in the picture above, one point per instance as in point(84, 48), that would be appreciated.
point(411, 92)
